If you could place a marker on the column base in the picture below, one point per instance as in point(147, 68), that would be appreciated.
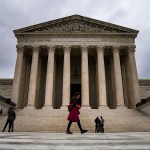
point(47, 107)
point(121, 107)
point(103, 107)
point(64, 107)
point(82, 107)
point(134, 107)
point(30, 107)
point(17, 107)
point(85, 107)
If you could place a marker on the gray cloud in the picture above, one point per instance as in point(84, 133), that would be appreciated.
point(21, 13)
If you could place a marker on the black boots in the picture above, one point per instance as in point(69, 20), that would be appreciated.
point(79, 125)
point(83, 131)
point(68, 132)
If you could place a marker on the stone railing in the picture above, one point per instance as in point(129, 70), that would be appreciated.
point(6, 102)
point(144, 106)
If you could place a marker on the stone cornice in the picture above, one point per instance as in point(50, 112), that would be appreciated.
point(144, 82)
point(75, 35)
point(6, 81)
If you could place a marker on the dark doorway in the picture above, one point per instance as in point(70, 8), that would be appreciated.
point(75, 88)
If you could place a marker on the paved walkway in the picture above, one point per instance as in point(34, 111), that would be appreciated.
point(62, 141)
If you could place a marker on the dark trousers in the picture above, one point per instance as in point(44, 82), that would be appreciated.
point(70, 123)
point(11, 125)
point(97, 128)
point(102, 128)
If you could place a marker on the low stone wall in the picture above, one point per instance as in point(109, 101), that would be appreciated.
point(144, 88)
point(6, 87)
point(145, 108)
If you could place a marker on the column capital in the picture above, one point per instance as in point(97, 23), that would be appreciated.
point(20, 49)
point(36, 49)
point(115, 49)
point(67, 48)
point(84, 49)
point(51, 48)
point(100, 49)
point(131, 49)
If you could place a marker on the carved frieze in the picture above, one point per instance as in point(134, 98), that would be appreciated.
point(98, 38)
point(76, 25)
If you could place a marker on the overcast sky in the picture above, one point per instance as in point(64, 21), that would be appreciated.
point(15, 14)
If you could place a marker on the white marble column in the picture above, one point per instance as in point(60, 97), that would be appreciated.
point(118, 77)
point(49, 77)
point(85, 78)
point(17, 75)
point(66, 77)
point(33, 77)
point(134, 75)
point(101, 77)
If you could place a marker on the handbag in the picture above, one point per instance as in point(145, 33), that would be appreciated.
point(70, 106)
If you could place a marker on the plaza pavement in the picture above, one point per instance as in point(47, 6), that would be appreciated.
point(77, 141)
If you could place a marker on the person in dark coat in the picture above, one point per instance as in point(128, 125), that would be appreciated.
point(10, 119)
point(74, 112)
point(97, 125)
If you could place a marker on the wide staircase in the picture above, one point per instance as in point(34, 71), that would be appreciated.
point(55, 120)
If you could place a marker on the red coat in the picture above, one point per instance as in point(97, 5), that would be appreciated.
point(74, 114)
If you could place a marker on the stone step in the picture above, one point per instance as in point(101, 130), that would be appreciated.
point(117, 120)
point(77, 141)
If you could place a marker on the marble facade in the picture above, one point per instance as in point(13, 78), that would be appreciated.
point(75, 53)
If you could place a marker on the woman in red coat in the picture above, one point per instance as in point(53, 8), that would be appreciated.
point(74, 112)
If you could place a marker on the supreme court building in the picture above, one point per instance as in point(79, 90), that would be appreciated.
point(57, 58)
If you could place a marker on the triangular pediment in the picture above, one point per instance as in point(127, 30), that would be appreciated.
point(73, 24)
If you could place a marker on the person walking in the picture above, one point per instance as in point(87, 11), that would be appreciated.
point(74, 112)
point(10, 120)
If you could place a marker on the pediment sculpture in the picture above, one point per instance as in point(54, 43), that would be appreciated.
point(75, 25)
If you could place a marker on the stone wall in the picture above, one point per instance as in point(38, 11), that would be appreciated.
point(144, 88)
point(5, 91)
point(6, 87)
point(145, 108)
